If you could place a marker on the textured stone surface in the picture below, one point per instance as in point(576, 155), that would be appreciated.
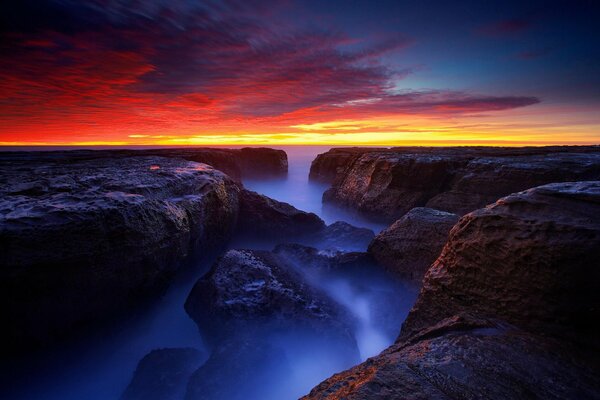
point(468, 360)
point(385, 184)
point(248, 290)
point(409, 246)
point(84, 239)
point(531, 258)
point(163, 374)
point(508, 310)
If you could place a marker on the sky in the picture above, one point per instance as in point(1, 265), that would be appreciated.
point(345, 72)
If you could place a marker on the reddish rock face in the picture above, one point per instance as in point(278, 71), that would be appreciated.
point(409, 246)
point(385, 184)
point(468, 359)
point(531, 259)
point(508, 310)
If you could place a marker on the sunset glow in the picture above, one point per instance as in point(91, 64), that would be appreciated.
point(227, 74)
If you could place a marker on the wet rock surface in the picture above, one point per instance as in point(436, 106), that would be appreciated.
point(506, 311)
point(163, 374)
point(249, 290)
point(385, 184)
point(409, 246)
point(84, 239)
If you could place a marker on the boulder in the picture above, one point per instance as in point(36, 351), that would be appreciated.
point(468, 359)
point(384, 184)
point(264, 219)
point(531, 259)
point(254, 291)
point(163, 374)
point(508, 309)
point(409, 246)
point(83, 240)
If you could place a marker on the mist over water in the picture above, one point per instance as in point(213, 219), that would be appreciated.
point(100, 368)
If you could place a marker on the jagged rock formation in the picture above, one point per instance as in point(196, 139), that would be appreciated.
point(163, 374)
point(85, 239)
point(507, 311)
point(409, 246)
point(384, 184)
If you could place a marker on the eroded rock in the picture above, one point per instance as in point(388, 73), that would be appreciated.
point(384, 184)
point(508, 310)
point(409, 246)
point(83, 240)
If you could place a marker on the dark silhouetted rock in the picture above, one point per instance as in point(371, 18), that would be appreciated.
point(86, 239)
point(508, 310)
point(241, 369)
point(263, 219)
point(385, 184)
point(409, 246)
point(163, 374)
point(248, 290)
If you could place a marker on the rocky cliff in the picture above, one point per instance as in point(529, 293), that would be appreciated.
point(384, 184)
point(508, 310)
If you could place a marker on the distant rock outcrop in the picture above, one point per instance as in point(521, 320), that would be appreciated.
point(508, 310)
point(409, 246)
point(82, 240)
point(384, 184)
point(248, 162)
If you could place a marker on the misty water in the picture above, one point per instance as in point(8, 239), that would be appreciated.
point(100, 367)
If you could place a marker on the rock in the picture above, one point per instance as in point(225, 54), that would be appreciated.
point(384, 184)
point(325, 261)
point(467, 360)
point(241, 369)
point(264, 219)
point(409, 246)
point(163, 374)
point(531, 259)
point(343, 236)
point(250, 291)
point(83, 240)
point(508, 310)
point(237, 163)
point(329, 166)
